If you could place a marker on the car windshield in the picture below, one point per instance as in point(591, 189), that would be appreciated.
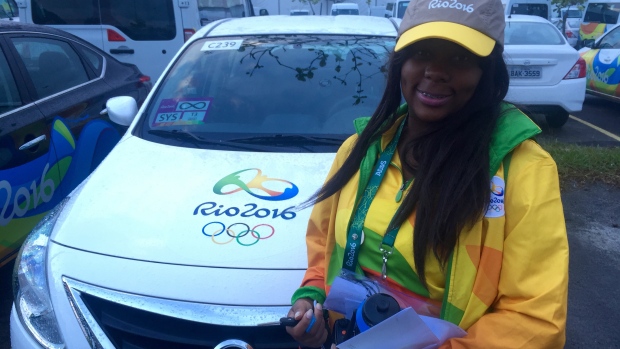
point(531, 33)
point(602, 12)
point(289, 93)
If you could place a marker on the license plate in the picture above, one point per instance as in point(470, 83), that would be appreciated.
point(525, 72)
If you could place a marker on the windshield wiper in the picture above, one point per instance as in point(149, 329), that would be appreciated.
point(295, 139)
point(200, 141)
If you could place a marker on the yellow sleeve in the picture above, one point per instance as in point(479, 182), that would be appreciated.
point(530, 308)
point(320, 233)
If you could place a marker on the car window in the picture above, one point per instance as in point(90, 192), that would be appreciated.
point(531, 33)
point(402, 7)
point(210, 10)
point(602, 12)
point(611, 40)
point(65, 11)
point(141, 20)
point(541, 10)
point(52, 64)
point(8, 9)
point(9, 95)
point(226, 89)
point(95, 59)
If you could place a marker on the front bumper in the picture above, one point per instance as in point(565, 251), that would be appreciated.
point(103, 301)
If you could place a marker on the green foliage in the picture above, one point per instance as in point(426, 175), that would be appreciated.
point(562, 4)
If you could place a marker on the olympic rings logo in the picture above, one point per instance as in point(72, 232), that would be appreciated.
point(189, 105)
point(496, 208)
point(245, 237)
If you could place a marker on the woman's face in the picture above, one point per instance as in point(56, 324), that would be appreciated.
point(439, 78)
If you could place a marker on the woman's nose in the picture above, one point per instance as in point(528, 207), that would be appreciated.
point(437, 71)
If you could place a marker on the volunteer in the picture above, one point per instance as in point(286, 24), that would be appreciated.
point(446, 196)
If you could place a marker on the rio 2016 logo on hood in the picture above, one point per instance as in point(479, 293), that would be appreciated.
point(256, 184)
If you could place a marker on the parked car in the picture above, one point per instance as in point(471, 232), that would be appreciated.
point(300, 12)
point(547, 75)
point(187, 234)
point(345, 8)
point(53, 88)
point(598, 18)
point(541, 8)
point(603, 65)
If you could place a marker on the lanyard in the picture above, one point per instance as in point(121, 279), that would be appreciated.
point(354, 236)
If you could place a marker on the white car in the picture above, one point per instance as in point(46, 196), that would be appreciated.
point(547, 75)
point(187, 235)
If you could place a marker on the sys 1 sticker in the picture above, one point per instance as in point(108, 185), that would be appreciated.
point(184, 111)
point(221, 45)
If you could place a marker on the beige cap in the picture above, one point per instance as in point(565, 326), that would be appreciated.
point(474, 24)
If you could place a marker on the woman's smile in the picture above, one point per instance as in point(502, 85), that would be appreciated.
point(433, 99)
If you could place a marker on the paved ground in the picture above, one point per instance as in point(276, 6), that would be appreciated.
point(593, 222)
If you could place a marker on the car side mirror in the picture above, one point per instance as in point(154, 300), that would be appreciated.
point(121, 110)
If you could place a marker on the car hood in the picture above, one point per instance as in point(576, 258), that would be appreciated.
point(166, 204)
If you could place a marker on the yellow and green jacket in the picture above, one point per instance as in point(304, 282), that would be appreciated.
point(507, 279)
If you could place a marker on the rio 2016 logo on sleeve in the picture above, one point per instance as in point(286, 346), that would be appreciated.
point(256, 186)
point(496, 204)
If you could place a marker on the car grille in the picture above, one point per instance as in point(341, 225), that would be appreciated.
point(108, 323)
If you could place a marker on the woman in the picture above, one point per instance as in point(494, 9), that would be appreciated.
point(415, 179)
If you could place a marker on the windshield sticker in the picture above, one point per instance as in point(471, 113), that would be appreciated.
point(184, 111)
point(222, 45)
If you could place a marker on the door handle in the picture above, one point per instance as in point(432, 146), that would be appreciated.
point(33, 142)
point(121, 50)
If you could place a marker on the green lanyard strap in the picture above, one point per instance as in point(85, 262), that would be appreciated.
point(354, 236)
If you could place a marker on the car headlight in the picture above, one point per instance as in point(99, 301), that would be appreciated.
point(30, 288)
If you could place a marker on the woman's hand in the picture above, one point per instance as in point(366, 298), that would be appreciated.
point(307, 334)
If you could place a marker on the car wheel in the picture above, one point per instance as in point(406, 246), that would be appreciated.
point(556, 118)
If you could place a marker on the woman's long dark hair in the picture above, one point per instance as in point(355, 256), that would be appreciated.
point(451, 189)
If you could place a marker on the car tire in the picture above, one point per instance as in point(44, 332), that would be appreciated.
point(556, 118)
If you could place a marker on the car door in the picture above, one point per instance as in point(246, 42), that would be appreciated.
point(71, 93)
point(28, 162)
point(147, 33)
point(606, 65)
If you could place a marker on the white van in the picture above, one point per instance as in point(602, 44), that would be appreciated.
point(146, 33)
point(598, 18)
point(540, 8)
point(396, 8)
point(345, 8)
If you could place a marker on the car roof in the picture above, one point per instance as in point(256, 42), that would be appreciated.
point(13, 26)
point(334, 25)
point(526, 18)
